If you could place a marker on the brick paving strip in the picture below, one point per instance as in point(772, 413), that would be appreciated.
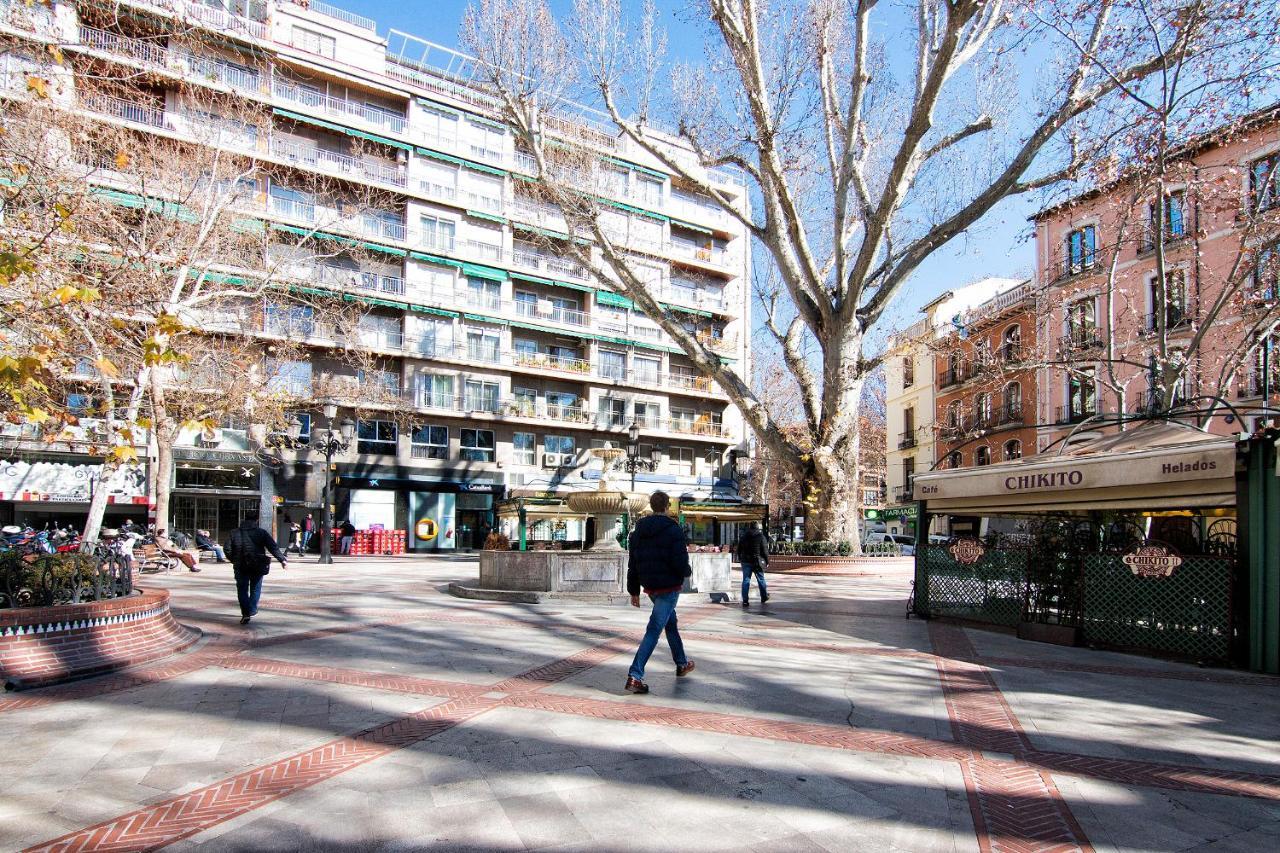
point(1014, 808)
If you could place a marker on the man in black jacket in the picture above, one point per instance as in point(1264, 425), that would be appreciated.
point(247, 546)
point(658, 562)
point(753, 554)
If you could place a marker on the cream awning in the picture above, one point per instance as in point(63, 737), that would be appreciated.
point(1161, 466)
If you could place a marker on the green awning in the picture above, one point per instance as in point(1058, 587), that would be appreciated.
point(370, 300)
point(572, 286)
point(606, 297)
point(434, 259)
point(481, 318)
point(691, 226)
point(436, 105)
point(346, 241)
point(636, 210)
point(480, 271)
point(626, 164)
point(698, 311)
point(458, 161)
point(338, 128)
point(524, 276)
point(534, 327)
point(492, 217)
point(439, 312)
point(220, 278)
point(542, 232)
point(152, 205)
point(487, 122)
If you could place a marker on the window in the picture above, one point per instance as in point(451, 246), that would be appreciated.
point(1081, 249)
point(647, 370)
point(908, 371)
point(1266, 274)
point(563, 357)
point(1012, 402)
point(908, 471)
point(561, 404)
point(433, 391)
point(681, 461)
point(289, 320)
point(480, 396)
point(526, 303)
point(982, 455)
point(1080, 323)
point(1173, 296)
point(648, 190)
point(376, 437)
point(955, 459)
point(430, 442)
point(79, 404)
point(489, 140)
point(564, 309)
point(290, 377)
point(524, 448)
point(1082, 394)
point(476, 445)
point(647, 414)
point(613, 412)
point(373, 330)
point(438, 233)
point(1174, 218)
point(441, 125)
point(484, 192)
point(953, 415)
point(1264, 183)
point(486, 241)
point(682, 419)
point(982, 410)
point(955, 369)
point(613, 364)
point(524, 402)
point(313, 42)
point(908, 437)
point(1012, 450)
point(429, 336)
point(381, 223)
point(563, 444)
point(1011, 346)
point(385, 381)
point(483, 293)
point(482, 345)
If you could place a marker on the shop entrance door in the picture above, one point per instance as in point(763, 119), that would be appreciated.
point(469, 525)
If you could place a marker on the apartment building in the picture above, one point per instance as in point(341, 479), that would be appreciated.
point(986, 368)
point(1102, 312)
point(912, 376)
point(514, 359)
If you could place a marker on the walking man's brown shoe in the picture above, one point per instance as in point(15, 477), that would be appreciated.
point(635, 686)
point(682, 671)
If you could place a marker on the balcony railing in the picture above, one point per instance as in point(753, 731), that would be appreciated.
point(1071, 415)
point(550, 313)
point(210, 17)
point(953, 376)
point(903, 495)
point(1068, 267)
point(340, 164)
point(1008, 416)
point(339, 107)
point(1080, 338)
point(336, 276)
point(294, 208)
point(343, 15)
point(130, 111)
point(547, 361)
point(907, 440)
point(1174, 318)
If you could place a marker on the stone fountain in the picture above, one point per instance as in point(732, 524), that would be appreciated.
point(597, 573)
point(606, 505)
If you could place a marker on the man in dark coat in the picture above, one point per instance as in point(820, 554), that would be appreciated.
point(753, 554)
point(658, 563)
point(247, 546)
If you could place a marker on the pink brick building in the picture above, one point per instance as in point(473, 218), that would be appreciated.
point(1107, 327)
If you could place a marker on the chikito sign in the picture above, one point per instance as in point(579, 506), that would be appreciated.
point(1152, 561)
point(966, 552)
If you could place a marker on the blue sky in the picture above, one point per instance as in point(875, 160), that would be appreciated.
point(999, 246)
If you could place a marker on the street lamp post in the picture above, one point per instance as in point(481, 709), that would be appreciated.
point(331, 444)
point(634, 462)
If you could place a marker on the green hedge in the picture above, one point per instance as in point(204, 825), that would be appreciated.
point(46, 580)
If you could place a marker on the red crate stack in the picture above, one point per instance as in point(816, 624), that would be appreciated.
point(373, 542)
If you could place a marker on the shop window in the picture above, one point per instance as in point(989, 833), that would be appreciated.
point(476, 445)
point(430, 442)
point(376, 437)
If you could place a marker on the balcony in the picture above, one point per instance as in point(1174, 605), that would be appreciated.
point(1008, 416)
point(1064, 268)
point(1080, 339)
point(209, 17)
point(715, 256)
point(339, 108)
point(546, 361)
point(390, 174)
point(343, 15)
point(1175, 319)
point(294, 208)
point(181, 62)
point(907, 440)
point(953, 376)
point(356, 279)
point(1069, 415)
point(126, 110)
point(1148, 242)
point(903, 495)
point(550, 313)
point(549, 265)
point(1011, 354)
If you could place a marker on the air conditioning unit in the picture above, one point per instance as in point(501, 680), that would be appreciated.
point(211, 436)
point(555, 460)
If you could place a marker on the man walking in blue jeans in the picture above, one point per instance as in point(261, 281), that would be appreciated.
point(658, 563)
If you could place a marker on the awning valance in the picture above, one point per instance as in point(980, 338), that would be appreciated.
point(459, 161)
point(322, 235)
point(607, 297)
point(481, 271)
point(338, 128)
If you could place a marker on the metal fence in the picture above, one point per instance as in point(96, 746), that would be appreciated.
point(990, 590)
point(49, 580)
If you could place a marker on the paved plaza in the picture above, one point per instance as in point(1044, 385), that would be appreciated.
point(366, 709)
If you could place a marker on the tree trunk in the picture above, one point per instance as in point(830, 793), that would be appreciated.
point(98, 504)
point(831, 495)
point(166, 432)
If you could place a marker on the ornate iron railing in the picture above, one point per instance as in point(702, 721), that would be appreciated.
point(49, 580)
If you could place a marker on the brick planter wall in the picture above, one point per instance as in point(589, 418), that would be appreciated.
point(43, 645)
point(837, 565)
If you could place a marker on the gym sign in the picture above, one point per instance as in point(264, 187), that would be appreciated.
point(1152, 561)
